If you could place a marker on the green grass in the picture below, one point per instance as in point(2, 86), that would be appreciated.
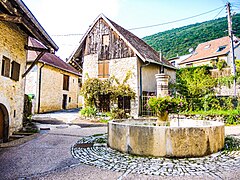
point(103, 121)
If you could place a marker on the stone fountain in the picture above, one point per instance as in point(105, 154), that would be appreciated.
point(181, 138)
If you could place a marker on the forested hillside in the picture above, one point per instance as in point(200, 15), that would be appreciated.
point(178, 41)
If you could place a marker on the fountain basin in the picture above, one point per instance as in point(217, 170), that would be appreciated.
point(183, 138)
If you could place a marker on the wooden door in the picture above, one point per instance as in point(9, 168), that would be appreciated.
point(64, 101)
point(1, 124)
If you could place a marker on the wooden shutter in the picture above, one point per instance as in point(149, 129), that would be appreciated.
point(65, 82)
point(100, 69)
point(106, 69)
point(15, 71)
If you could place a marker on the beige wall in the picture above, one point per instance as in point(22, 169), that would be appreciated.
point(171, 73)
point(149, 82)
point(12, 42)
point(52, 88)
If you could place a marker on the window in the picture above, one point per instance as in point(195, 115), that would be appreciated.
point(173, 63)
point(207, 46)
point(161, 70)
point(65, 82)
point(124, 103)
point(15, 71)
point(220, 48)
point(5, 67)
point(104, 103)
point(105, 40)
point(103, 69)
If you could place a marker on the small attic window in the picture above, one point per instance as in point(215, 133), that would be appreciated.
point(207, 46)
point(220, 48)
point(105, 40)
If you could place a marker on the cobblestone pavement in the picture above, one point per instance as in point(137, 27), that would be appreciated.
point(50, 156)
point(93, 151)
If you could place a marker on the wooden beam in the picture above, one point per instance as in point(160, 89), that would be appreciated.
point(9, 6)
point(31, 48)
point(14, 19)
point(33, 63)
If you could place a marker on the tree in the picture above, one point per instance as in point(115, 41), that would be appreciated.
point(194, 84)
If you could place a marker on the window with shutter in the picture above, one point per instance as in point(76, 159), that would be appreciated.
point(103, 69)
point(5, 67)
point(15, 71)
point(65, 82)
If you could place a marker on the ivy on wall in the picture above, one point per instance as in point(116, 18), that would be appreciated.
point(94, 87)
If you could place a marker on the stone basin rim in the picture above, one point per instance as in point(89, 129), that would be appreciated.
point(166, 141)
point(124, 122)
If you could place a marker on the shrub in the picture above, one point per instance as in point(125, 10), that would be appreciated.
point(221, 64)
point(88, 111)
point(166, 104)
point(117, 113)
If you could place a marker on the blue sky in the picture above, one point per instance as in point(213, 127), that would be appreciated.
point(60, 17)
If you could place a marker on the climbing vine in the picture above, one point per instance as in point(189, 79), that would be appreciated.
point(94, 87)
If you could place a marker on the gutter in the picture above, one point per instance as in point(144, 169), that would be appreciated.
point(39, 87)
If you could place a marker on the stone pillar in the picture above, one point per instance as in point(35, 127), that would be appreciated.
point(162, 84)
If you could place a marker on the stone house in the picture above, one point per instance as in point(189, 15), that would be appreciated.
point(210, 52)
point(108, 49)
point(52, 83)
point(17, 23)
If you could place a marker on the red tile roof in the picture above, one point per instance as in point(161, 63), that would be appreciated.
point(48, 58)
point(210, 49)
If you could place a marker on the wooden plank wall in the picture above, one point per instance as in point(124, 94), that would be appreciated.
point(102, 40)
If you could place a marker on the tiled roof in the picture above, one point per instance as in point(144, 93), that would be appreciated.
point(48, 58)
point(143, 48)
point(211, 49)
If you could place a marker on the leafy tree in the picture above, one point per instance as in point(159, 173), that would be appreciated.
point(194, 84)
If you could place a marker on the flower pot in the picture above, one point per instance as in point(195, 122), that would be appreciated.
point(162, 118)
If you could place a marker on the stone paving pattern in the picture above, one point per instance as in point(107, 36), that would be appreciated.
point(89, 151)
point(49, 156)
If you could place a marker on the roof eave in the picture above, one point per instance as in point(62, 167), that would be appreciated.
point(30, 22)
point(41, 61)
point(160, 63)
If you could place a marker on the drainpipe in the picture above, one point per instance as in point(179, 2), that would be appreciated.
point(140, 88)
point(39, 87)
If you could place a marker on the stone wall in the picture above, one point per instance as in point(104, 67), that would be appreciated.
point(12, 42)
point(117, 68)
point(51, 88)
point(90, 66)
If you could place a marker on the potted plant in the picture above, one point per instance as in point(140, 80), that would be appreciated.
point(162, 106)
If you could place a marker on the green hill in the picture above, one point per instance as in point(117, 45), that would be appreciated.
point(178, 41)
